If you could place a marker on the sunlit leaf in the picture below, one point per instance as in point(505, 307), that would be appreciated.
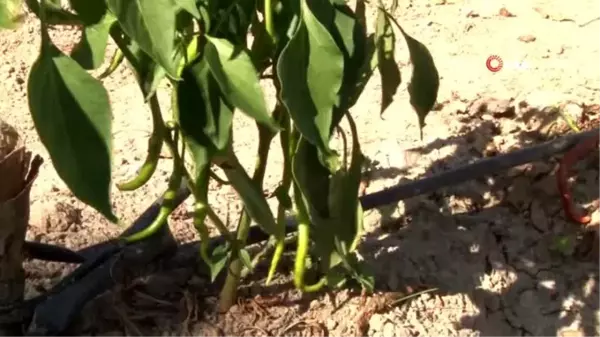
point(190, 7)
point(91, 49)
point(72, 116)
point(11, 14)
point(204, 115)
point(147, 72)
point(310, 69)
point(252, 196)
point(151, 24)
point(96, 19)
point(238, 79)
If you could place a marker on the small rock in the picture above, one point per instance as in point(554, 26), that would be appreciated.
point(527, 38)
point(594, 224)
point(518, 170)
point(472, 14)
point(9, 139)
point(573, 111)
point(376, 323)
point(519, 193)
point(468, 27)
point(506, 13)
point(546, 185)
point(54, 217)
point(590, 287)
point(539, 219)
point(548, 284)
point(389, 329)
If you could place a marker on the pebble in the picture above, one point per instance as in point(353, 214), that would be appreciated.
point(389, 329)
point(376, 323)
point(527, 38)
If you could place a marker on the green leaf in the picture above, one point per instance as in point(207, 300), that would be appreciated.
point(286, 20)
point(251, 194)
point(91, 12)
point(190, 7)
point(11, 14)
point(425, 79)
point(311, 177)
point(205, 19)
point(90, 50)
point(335, 211)
point(71, 113)
point(204, 115)
point(231, 19)
point(385, 42)
point(344, 202)
point(200, 153)
point(353, 42)
point(310, 70)
point(238, 79)
point(245, 258)
point(367, 68)
point(147, 72)
point(220, 256)
point(151, 24)
point(261, 49)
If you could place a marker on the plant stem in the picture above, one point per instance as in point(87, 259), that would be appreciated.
point(179, 162)
point(284, 187)
point(228, 294)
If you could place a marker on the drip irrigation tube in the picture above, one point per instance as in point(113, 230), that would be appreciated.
point(107, 263)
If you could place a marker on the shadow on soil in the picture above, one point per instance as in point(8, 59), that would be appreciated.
point(500, 242)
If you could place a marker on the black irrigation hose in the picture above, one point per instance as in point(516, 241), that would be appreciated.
point(48, 252)
point(107, 263)
point(479, 169)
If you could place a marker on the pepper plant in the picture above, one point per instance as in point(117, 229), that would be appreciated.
point(318, 56)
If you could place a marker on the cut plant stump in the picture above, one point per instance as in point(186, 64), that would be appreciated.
point(18, 172)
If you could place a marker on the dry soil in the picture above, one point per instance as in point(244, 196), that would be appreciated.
point(489, 245)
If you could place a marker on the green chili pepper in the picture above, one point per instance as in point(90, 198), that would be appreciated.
point(269, 19)
point(303, 243)
point(167, 207)
point(201, 211)
point(284, 120)
point(115, 61)
point(155, 143)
